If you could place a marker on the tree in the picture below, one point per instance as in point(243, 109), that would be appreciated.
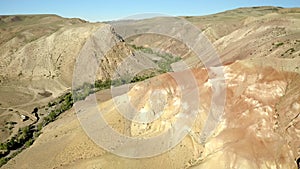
point(35, 110)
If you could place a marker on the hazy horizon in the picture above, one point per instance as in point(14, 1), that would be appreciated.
point(117, 9)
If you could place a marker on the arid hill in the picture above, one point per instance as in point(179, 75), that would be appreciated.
point(38, 54)
point(259, 128)
point(267, 35)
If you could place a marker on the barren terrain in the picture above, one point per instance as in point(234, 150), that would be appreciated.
point(259, 48)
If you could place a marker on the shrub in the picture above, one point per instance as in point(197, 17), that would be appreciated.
point(39, 126)
point(279, 44)
point(28, 143)
point(3, 161)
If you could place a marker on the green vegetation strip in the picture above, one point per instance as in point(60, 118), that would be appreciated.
point(166, 59)
point(87, 89)
point(27, 135)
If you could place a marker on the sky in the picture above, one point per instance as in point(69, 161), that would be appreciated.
point(106, 10)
